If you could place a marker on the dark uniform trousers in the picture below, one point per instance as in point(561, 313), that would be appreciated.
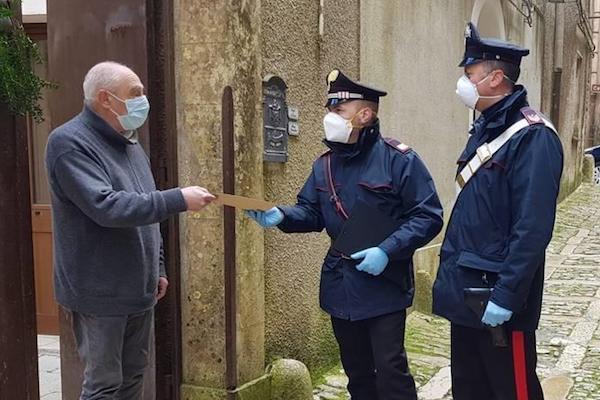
point(374, 357)
point(481, 371)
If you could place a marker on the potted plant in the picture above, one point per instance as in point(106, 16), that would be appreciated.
point(20, 88)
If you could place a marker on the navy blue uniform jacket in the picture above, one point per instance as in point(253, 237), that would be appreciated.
point(502, 221)
point(399, 184)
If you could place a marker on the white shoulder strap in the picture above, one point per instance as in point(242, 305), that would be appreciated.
point(485, 152)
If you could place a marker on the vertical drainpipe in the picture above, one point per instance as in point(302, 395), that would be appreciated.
point(557, 63)
point(229, 247)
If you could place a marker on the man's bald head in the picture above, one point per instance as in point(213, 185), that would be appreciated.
point(107, 86)
point(107, 75)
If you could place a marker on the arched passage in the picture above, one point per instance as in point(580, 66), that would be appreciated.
point(488, 16)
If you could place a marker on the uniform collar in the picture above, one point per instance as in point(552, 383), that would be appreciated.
point(496, 115)
point(101, 127)
point(494, 120)
point(367, 137)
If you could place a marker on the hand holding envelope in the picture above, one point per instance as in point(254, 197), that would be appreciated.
point(196, 197)
point(244, 203)
point(261, 211)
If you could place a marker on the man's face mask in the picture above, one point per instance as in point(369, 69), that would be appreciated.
point(337, 128)
point(468, 93)
point(137, 112)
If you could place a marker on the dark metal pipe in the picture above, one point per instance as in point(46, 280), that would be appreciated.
point(229, 243)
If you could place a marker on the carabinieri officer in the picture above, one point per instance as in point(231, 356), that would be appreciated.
point(367, 293)
point(507, 182)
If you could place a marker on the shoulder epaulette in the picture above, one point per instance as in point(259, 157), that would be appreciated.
point(398, 145)
point(532, 116)
point(324, 154)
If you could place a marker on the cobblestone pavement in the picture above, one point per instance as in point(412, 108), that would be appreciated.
point(569, 334)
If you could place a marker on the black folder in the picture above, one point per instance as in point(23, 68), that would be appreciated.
point(367, 227)
point(477, 300)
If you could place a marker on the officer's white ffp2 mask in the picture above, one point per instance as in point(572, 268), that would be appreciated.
point(468, 93)
point(337, 128)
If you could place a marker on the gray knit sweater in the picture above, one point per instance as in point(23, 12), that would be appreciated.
point(106, 209)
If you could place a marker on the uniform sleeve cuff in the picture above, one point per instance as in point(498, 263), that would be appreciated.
point(389, 246)
point(285, 210)
point(174, 200)
point(505, 299)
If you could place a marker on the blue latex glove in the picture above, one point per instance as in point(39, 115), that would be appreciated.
point(374, 260)
point(495, 315)
point(266, 219)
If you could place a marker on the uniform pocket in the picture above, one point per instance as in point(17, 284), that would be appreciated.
point(471, 260)
point(377, 186)
point(478, 270)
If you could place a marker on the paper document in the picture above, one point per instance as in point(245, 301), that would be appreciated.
point(244, 203)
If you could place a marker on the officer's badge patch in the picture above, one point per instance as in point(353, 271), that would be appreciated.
point(403, 148)
point(333, 75)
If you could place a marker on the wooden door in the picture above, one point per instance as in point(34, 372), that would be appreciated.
point(46, 307)
point(138, 33)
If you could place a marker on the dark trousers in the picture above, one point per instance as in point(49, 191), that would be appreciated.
point(482, 371)
point(115, 352)
point(374, 357)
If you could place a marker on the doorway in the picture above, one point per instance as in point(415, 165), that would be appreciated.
point(488, 17)
point(48, 339)
point(41, 216)
point(139, 34)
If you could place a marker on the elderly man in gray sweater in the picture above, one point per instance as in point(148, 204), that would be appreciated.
point(108, 266)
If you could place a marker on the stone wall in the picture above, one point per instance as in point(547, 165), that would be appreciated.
point(532, 38)
point(412, 52)
point(567, 53)
point(216, 45)
point(302, 50)
point(237, 43)
point(574, 97)
point(593, 134)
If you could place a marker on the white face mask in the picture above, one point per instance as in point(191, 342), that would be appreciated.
point(337, 128)
point(468, 94)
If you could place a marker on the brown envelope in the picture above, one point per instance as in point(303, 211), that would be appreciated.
point(244, 203)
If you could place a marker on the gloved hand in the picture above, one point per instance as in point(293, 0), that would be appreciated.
point(374, 260)
point(266, 219)
point(495, 315)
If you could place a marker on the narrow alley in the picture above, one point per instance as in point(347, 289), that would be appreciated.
point(569, 333)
